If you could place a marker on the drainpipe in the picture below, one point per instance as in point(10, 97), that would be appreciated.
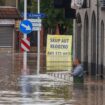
point(97, 71)
point(16, 3)
point(74, 28)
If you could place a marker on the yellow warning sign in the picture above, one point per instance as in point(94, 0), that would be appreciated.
point(59, 52)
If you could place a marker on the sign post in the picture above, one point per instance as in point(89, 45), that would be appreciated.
point(26, 26)
point(25, 36)
point(38, 47)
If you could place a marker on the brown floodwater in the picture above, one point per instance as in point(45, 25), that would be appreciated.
point(24, 87)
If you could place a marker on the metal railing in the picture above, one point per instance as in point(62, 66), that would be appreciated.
point(65, 75)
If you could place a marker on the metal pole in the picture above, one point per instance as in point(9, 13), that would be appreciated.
point(38, 43)
point(25, 36)
point(74, 56)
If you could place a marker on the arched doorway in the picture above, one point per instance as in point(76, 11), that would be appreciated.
point(85, 43)
point(78, 36)
point(93, 45)
point(102, 50)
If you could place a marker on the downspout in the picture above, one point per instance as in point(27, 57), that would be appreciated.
point(97, 71)
point(74, 29)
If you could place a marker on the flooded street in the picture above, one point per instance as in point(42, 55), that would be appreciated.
point(24, 87)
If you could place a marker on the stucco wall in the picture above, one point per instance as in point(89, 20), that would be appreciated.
point(82, 12)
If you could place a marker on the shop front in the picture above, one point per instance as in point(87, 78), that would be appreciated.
point(8, 16)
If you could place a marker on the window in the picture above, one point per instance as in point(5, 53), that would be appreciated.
point(88, 3)
point(8, 3)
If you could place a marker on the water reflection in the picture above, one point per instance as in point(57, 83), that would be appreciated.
point(26, 88)
point(42, 90)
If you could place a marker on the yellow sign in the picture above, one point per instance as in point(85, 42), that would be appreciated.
point(17, 22)
point(59, 52)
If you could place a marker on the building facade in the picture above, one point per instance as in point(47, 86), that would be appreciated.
point(8, 16)
point(89, 37)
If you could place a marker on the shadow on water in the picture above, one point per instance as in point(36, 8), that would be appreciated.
point(23, 87)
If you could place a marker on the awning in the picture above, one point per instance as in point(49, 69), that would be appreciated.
point(9, 13)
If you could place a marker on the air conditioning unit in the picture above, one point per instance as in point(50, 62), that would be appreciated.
point(102, 4)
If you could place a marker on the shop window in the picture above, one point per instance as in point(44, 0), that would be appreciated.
point(8, 3)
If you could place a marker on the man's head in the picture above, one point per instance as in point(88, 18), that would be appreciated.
point(76, 62)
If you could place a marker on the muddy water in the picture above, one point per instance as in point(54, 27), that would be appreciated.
point(24, 87)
